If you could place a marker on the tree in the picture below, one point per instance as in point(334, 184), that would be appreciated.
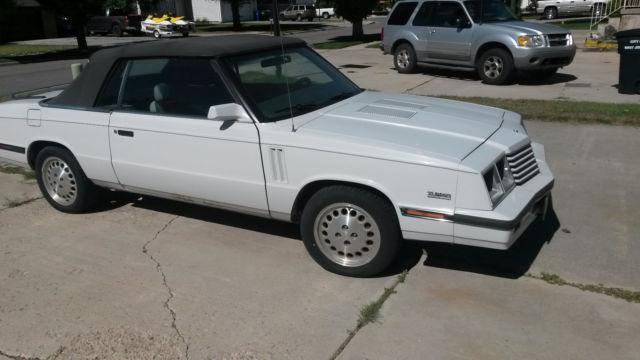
point(78, 12)
point(355, 11)
point(235, 13)
point(6, 14)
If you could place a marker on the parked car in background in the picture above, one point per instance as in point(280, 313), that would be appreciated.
point(552, 9)
point(116, 22)
point(480, 35)
point(326, 13)
point(298, 12)
point(265, 126)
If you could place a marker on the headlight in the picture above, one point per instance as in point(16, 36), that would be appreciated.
point(499, 181)
point(569, 39)
point(531, 41)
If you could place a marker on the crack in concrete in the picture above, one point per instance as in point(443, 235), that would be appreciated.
point(22, 357)
point(408, 91)
point(166, 303)
point(370, 313)
point(11, 204)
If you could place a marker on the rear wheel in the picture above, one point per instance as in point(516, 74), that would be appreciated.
point(350, 231)
point(404, 59)
point(495, 67)
point(62, 181)
point(116, 30)
point(550, 13)
point(298, 17)
point(325, 15)
point(185, 34)
point(156, 34)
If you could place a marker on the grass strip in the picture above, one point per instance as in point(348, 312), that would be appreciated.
point(554, 279)
point(26, 173)
point(333, 45)
point(579, 112)
point(15, 50)
point(370, 313)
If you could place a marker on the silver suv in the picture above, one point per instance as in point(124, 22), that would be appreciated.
point(481, 35)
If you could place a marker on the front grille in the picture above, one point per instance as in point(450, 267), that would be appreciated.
point(558, 39)
point(523, 164)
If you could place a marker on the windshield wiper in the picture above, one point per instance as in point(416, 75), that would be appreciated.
point(297, 108)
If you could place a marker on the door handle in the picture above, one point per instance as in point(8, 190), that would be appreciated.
point(127, 133)
point(432, 31)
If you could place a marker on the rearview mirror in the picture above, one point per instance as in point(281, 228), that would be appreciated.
point(225, 112)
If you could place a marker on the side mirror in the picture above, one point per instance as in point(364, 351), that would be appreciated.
point(462, 23)
point(226, 112)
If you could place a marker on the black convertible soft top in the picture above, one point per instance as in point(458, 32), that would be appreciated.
point(84, 89)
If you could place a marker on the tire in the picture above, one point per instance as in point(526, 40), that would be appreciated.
point(298, 17)
point(350, 231)
point(63, 183)
point(550, 13)
point(404, 59)
point(116, 30)
point(185, 34)
point(156, 34)
point(281, 17)
point(325, 15)
point(495, 67)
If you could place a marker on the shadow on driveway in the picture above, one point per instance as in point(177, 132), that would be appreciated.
point(520, 79)
point(512, 263)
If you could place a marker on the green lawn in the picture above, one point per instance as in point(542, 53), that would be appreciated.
point(580, 112)
point(15, 50)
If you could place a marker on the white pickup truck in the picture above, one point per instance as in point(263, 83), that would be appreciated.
point(326, 13)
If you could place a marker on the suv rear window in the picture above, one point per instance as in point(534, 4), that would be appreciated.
point(402, 13)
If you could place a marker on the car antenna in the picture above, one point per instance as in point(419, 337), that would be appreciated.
point(276, 32)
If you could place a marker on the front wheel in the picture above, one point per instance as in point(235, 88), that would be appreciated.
point(325, 15)
point(350, 231)
point(116, 30)
point(495, 67)
point(156, 34)
point(298, 17)
point(404, 59)
point(550, 13)
point(62, 181)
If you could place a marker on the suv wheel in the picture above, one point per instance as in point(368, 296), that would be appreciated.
point(550, 13)
point(298, 17)
point(495, 67)
point(404, 59)
point(350, 231)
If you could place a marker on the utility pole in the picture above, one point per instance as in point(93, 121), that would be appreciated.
point(276, 18)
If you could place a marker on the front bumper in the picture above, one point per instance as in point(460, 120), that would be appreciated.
point(543, 58)
point(495, 229)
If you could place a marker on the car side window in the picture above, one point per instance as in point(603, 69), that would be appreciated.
point(173, 86)
point(446, 14)
point(402, 13)
point(108, 97)
point(422, 16)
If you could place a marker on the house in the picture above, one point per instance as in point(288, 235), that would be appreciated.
point(207, 10)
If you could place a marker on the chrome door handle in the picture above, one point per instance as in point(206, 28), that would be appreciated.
point(432, 31)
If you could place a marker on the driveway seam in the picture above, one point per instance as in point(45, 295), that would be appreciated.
point(22, 357)
point(166, 303)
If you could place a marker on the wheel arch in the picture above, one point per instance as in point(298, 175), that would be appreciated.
point(36, 146)
point(488, 46)
point(400, 42)
point(312, 187)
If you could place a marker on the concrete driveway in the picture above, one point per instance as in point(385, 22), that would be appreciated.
point(145, 278)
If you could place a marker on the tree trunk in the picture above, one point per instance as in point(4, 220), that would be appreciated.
point(357, 32)
point(80, 36)
point(235, 12)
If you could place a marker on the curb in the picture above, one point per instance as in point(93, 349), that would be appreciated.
point(4, 62)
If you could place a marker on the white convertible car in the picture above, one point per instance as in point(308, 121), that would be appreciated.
point(265, 126)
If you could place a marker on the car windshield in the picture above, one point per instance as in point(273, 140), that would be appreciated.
point(280, 84)
point(489, 11)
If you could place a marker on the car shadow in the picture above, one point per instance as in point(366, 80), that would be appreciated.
point(520, 78)
point(512, 263)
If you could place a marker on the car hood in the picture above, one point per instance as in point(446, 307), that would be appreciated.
point(519, 27)
point(415, 126)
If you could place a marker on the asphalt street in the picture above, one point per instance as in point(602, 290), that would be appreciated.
point(28, 76)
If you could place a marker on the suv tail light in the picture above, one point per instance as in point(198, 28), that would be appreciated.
point(126, 20)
